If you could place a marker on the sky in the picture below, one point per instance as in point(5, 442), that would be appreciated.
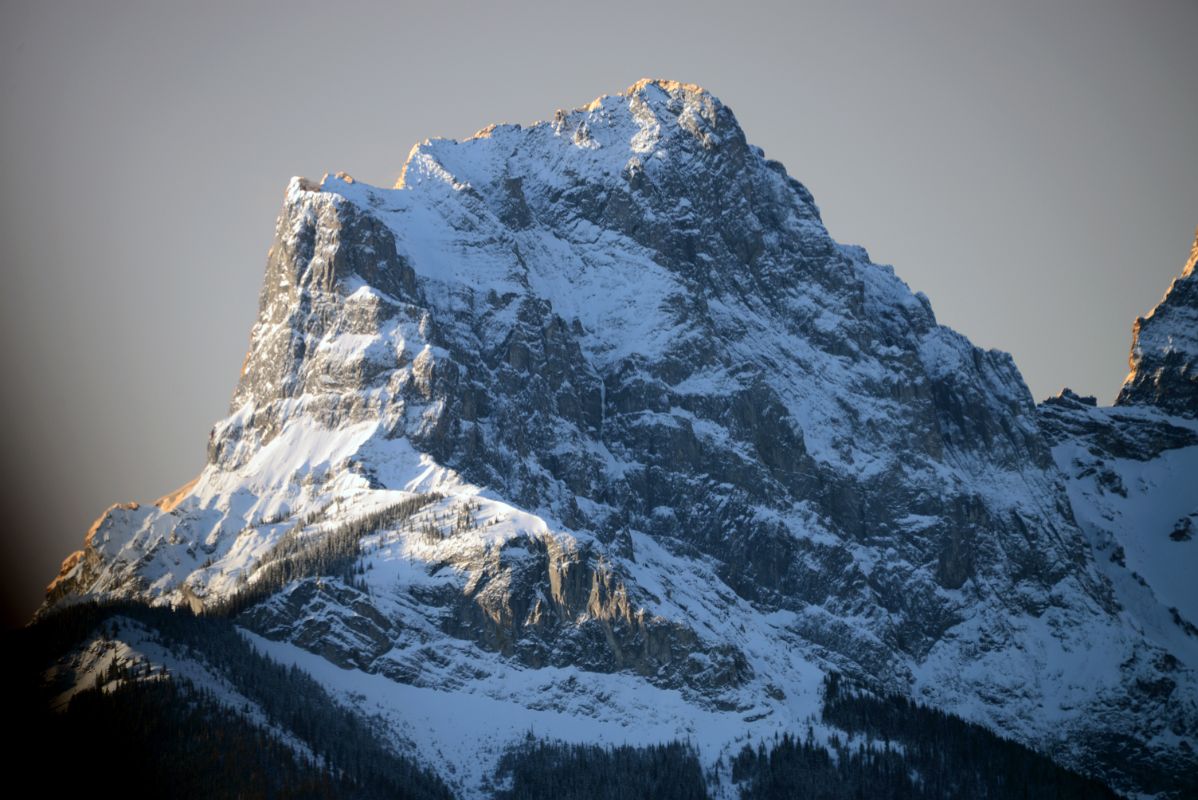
point(1031, 166)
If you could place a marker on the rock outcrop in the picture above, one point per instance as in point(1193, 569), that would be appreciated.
point(1164, 353)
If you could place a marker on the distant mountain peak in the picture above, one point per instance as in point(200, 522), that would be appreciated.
point(1164, 351)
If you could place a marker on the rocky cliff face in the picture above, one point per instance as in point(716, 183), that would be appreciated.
point(1130, 476)
point(1164, 353)
point(676, 453)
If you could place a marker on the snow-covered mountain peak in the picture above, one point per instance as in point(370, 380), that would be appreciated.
point(601, 395)
point(652, 129)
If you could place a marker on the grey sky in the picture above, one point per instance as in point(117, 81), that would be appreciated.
point(1031, 166)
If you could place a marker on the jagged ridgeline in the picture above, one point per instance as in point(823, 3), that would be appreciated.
point(588, 427)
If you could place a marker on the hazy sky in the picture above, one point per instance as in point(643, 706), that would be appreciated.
point(1031, 166)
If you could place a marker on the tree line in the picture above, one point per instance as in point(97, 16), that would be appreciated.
point(332, 554)
point(537, 769)
point(902, 751)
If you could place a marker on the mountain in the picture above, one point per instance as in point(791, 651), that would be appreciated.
point(1164, 353)
point(588, 429)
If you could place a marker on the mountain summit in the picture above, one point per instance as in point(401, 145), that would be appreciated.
point(1164, 354)
point(591, 421)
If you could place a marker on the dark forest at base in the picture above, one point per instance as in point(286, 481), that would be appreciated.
point(147, 732)
point(901, 750)
point(158, 734)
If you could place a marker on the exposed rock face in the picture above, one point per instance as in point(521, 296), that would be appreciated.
point(710, 450)
point(1130, 475)
point(1164, 353)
